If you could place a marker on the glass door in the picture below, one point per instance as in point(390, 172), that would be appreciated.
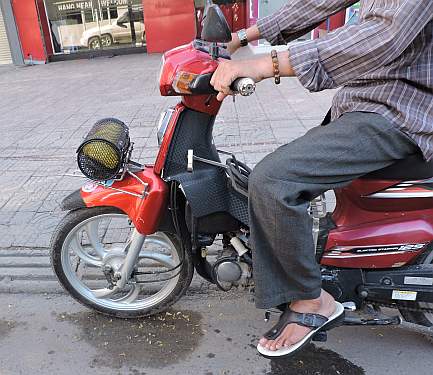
point(78, 25)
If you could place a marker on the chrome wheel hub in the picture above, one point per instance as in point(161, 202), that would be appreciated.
point(94, 253)
point(114, 260)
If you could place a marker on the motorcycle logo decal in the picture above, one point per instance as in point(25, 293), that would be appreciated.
point(89, 187)
point(352, 251)
point(414, 247)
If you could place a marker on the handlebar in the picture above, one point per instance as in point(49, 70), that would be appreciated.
point(244, 86)
point(201, 85)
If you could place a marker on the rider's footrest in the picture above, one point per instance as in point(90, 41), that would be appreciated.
point(352, 321)
point(320, 337)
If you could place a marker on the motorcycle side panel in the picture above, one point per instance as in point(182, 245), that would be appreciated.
point(377, 233)
point(144, 211)
point(207, 188)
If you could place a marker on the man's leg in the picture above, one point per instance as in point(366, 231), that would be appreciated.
point(281, 187)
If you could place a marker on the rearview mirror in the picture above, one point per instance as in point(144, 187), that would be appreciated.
point(215, 26)
point(121, 24)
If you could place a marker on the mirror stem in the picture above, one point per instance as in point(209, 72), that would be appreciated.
point(214, 51)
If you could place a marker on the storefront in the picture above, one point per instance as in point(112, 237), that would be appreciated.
point(52, 30)
point(49, 30)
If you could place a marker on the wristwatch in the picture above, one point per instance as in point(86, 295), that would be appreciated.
point(242, 35)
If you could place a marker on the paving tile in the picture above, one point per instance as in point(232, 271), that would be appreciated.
point(49, 110)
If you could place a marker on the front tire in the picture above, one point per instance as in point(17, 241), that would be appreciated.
point(84, 234)
point(94, 43)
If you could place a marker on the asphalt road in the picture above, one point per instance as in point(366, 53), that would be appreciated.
point(207, 333)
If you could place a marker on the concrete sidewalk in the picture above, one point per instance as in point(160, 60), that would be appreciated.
point(45, 111)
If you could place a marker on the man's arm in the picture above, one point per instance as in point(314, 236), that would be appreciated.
point(292, 21)
point(341, 56)
point(353, 51)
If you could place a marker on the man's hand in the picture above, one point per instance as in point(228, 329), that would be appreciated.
point(228, 71)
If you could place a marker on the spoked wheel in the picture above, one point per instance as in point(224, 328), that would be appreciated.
point(106, 40)
point(95, 43)
point(90, 243)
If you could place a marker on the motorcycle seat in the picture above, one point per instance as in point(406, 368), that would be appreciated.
point(412, 168)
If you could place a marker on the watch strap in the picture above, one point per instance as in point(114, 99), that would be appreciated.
point(242, 35)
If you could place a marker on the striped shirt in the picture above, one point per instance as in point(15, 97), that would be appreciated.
point(384, 62)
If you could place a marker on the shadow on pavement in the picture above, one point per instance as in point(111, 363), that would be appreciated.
point(314, 361)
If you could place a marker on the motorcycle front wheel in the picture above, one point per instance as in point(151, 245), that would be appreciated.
point(89, 240)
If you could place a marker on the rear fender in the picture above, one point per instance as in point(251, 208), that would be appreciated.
point(145, 207)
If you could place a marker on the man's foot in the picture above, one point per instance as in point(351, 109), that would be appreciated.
point(293, 333)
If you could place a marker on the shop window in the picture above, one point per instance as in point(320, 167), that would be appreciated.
point(78, 25)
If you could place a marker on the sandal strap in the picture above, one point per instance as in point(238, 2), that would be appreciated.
point(288, 317)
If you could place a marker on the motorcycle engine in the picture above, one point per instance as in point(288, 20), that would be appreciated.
point(230, 270)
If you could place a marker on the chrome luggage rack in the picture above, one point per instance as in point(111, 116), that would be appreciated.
point(130, 168)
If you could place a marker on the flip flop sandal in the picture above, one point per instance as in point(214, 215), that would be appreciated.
point(317, 322)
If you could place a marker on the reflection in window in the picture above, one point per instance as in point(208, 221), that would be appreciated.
point(73, 18)
point(78, 25)
point(88, 16)
point(113, 13)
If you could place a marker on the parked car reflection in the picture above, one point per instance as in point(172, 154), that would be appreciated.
point(118, 32)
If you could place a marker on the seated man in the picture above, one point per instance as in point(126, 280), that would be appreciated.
point(383, 113)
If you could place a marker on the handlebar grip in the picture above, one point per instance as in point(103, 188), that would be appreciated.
point(244, 86)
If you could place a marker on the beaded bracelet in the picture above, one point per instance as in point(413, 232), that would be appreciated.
point(276, 65)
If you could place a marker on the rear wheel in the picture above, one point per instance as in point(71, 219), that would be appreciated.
point(89, 240)
point(106, 40)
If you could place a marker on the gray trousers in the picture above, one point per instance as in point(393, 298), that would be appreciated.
point(284, 182)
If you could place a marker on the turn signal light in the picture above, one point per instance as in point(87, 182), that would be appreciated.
point(181, 83)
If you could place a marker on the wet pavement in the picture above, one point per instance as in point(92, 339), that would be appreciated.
point(44, 113)
point(204, 334)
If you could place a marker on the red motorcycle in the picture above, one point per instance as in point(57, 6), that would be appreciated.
point(135, 234)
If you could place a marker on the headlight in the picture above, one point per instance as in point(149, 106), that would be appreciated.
point(163, 122)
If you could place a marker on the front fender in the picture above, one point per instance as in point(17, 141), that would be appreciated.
point(73, 202)
point(145, 208)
